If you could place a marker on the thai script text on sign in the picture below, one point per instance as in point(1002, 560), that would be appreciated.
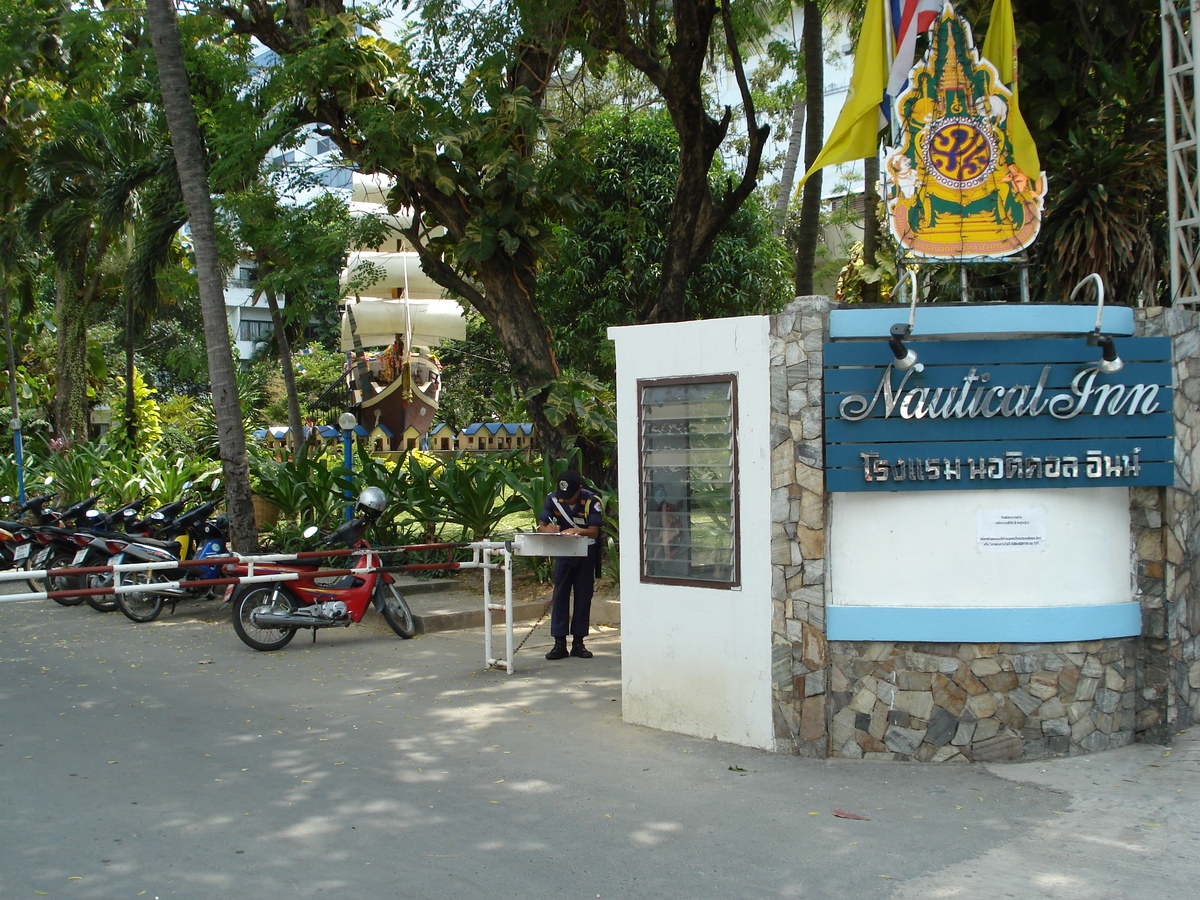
point(1013, 465)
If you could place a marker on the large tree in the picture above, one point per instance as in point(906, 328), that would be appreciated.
point(484, 170)
point(672, 51)
point(298, 249)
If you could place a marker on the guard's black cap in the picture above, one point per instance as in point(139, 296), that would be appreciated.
point(569, 484)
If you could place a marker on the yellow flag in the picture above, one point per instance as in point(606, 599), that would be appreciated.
point(1000, 49)
point(856, 133)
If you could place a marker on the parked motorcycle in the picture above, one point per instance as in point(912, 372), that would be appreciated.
point(191, 536)
point(15, 549)
point(91, 539)
point(266, 616)
point(56, 549)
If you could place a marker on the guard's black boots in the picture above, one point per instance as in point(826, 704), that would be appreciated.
point(577, 649)
point(559, 650)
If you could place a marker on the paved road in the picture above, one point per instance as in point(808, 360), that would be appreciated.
point(168, 760)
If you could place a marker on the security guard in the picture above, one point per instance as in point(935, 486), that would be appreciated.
point(572, 509)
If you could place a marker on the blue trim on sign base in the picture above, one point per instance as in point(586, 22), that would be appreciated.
point(1000, 625)
point(1001, 319)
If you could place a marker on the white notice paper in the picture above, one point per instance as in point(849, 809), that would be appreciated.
point(1003, 530)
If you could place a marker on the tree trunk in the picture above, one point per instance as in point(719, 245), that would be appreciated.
point(810, 204)
point(70, 375)
point(506, 305)
point(131, 423)
point(870, 291)
point(193, 179)
point(788, 175)
point(295, 423)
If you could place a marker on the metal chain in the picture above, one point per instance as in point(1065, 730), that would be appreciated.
point(541, 618)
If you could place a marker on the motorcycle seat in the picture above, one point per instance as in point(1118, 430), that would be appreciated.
point(170, 546)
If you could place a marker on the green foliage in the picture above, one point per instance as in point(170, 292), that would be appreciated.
point(534, 480)
point(147, 428)
point(608, 267)
point(471, 495)
point(586, 401)
point(85, 469)
point(309, 490)
point(477, 379)
point(857, 273)
point(167, 478)
point(315, 370)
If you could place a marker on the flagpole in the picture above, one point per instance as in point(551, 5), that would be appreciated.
point(890, 44)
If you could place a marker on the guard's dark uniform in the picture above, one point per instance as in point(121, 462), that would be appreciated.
point(574, 572)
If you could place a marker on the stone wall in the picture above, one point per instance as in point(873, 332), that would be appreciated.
point(799, 507)
point(960, 702)
point(1169, 569)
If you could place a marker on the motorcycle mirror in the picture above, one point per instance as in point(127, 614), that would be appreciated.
point(91, 514)
point(216, 484)
point(129, 513)
point(6, 499)
point(49, 479)
point(187, 485)
point(310, 531)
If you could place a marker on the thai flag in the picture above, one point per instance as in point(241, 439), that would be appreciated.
point(909, 18)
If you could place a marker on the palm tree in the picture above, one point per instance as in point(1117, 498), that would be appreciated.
point(84, 184)
point(188, 145)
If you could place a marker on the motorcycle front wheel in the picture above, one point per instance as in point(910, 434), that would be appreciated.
point(247, 600)
point(395, 610)
point(140, 606)
point(101, 602)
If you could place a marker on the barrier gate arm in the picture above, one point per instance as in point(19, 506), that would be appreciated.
point(482, 553)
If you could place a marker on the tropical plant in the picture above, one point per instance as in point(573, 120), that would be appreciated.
point(77, 467)
point(167, 479)
point(857, 274)
point(310, 490)
point(533, 480)
point(141, 430)
point(473, 495)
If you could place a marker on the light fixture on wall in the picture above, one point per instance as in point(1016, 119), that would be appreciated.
point(906, 357)
point(1109, 360)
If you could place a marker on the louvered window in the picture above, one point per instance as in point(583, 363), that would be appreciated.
point(688, 479)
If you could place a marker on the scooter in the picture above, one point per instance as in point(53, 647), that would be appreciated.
point(14, 549)
point(57, 550)
point(191, 536)
point(266, 615)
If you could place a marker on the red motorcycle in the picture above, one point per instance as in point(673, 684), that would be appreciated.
point(266, 615)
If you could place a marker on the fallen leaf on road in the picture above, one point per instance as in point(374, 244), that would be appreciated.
point(842, 814)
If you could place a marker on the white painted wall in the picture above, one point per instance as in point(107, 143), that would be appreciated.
point(922, 549)
point(698, 660)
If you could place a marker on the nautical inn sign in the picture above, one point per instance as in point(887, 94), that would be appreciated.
point(985, 414)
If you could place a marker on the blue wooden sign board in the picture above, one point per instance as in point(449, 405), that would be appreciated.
point(985, 414)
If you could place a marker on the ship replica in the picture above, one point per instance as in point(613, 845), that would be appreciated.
point(393, 378)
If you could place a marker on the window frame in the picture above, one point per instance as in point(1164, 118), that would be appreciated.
point(735, 582)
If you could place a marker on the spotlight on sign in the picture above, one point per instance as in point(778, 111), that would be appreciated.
point(906, 358)
point(1109, 361)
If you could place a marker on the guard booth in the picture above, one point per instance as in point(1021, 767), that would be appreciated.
point(834, 549)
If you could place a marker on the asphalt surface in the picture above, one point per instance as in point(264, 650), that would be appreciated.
point(169, 760)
